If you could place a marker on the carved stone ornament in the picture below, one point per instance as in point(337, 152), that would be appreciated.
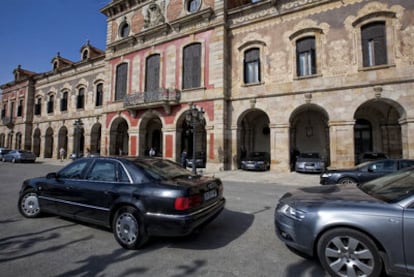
point(154, 14)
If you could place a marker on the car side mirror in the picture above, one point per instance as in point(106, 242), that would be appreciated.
point(51, 175)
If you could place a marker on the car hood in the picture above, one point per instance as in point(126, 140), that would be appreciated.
point(254, 159)
point(337, 195)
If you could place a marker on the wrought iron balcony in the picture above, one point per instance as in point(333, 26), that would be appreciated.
point(8, 121)
point(152, 99)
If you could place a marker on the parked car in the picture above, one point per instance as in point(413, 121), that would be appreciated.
point(135, 197)
point(200, 160)
point(19, 156)
point(256, 161)
point(354, 230)
point(364, 172)
point(4, 151)
point(371, 156)
point(309, 162)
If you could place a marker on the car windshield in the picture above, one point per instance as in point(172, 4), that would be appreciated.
point(391, 188)
point(256, 155)
point(309, 155)
point(162, 169)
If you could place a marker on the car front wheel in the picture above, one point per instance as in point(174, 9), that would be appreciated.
point(347, 252)
point(129, 229)
point(347, 180)
point(29, 204)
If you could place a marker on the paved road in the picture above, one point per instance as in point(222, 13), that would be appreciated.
point(240, 242)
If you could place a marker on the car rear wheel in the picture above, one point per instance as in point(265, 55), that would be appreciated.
point(129, 229)
point(29, 204)
point(347, 180)
point(347, 252)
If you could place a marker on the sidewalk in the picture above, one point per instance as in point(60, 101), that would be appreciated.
point(267, 177)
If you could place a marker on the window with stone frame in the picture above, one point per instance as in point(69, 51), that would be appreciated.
point(192, 66)
point(306, 57)
point(152, 73)
point(99, 95)
point(80, 100)
point(50, 104)
point(38, 107)
point(251, 66)
point(193, 5)
point(3, 111)
point(374, 48)
point(64, 102)
point(12, 109)
point(20, 108)
point(121, 81)
point(124, 29)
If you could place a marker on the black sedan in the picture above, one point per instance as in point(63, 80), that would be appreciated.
point(354, 230)
point(364, 172)
point(135, 197)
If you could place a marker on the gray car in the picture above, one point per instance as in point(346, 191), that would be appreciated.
point(354, 230)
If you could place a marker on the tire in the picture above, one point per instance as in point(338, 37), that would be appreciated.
point(29, 204)
point(128, 228)
point(348, 252)
point(347, 181)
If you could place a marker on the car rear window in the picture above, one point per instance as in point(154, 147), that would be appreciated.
point(162, 169)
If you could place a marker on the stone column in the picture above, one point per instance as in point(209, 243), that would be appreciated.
point(341, 141)
point(407, 138)
point(279, 147)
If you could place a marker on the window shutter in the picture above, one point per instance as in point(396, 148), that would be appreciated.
point(152, 75)
point(192, 66)
point(121, 81)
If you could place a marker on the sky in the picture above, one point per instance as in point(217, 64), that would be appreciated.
point(32, 32)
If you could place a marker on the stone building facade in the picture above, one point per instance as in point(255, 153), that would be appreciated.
point(333, 77)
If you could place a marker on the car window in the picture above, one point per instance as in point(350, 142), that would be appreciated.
point(73, 170)
point(383, 166)
point(162, 169)
point(406, 163)
point(122, 175)
point(102, 171)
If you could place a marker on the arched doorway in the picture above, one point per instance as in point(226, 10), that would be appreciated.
point(377, 128)
point(48, 143)
point(2, 140)
point(253, 134)
point(119, 138)
point(36, 142)
point(96, 138)
point(151, 133)
point(18, 144)
point(309, 132)
point(63, 139)
point(185, 140)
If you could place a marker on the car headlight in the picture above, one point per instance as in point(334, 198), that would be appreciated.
point(326, 175)
point(291, 212)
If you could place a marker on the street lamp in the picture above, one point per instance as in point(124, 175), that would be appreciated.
point(78, 124)
point(194, 117)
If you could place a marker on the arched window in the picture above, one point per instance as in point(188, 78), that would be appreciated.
point(80, 103)
point(99, 95)
point(50, 104)
point(374, 48)
point(305, 56)
point(251, 66)
point(64, 102)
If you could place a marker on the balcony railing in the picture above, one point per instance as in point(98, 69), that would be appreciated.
point(151, 99)
point(8, 121)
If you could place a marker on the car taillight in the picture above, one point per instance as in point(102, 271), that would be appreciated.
point(188, 202)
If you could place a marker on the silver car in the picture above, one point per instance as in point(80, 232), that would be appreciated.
point(309, 162)
point(354, 230)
